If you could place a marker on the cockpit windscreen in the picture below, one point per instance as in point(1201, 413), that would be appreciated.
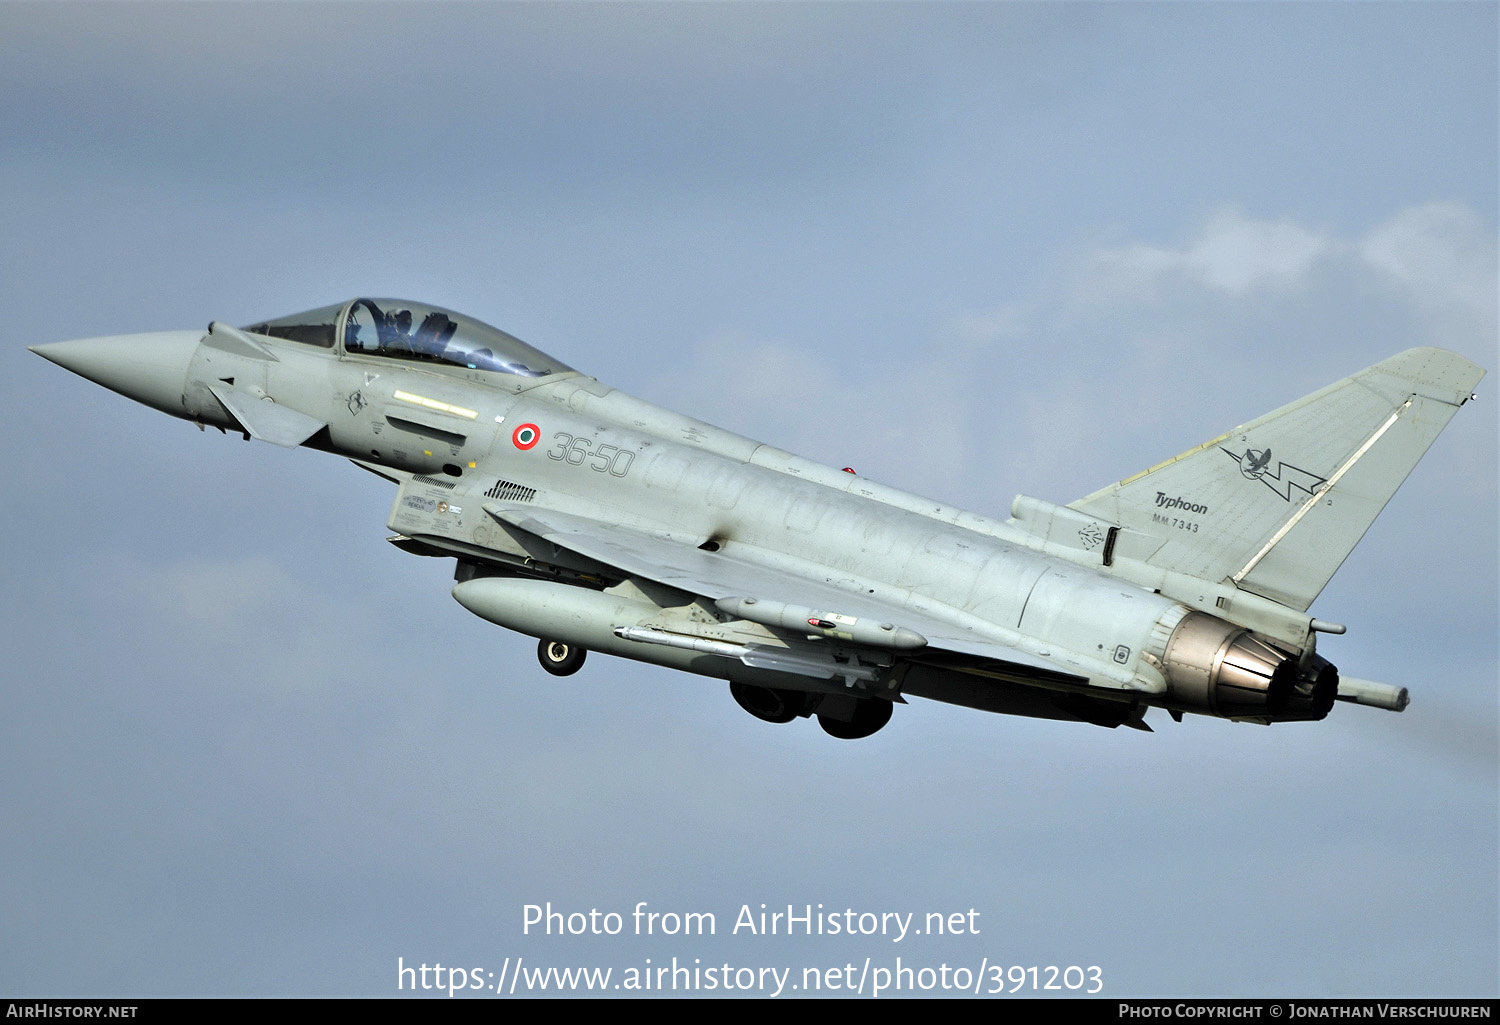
point(315, 327)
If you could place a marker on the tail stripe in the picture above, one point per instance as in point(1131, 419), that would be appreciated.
point(1312, 499)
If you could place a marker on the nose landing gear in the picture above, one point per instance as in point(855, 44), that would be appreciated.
point(560, 659)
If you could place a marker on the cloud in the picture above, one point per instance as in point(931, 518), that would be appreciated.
point(1232, 254)
point(1434, 265)
point(1179, 341)
point(1443, 257)
point(1121, 356)
point(1440, 254)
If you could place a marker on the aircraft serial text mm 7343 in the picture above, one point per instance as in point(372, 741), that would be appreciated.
point(596, 521)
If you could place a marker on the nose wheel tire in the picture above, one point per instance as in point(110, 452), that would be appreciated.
point(560, 659)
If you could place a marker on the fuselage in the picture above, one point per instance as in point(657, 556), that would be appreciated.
point(595, 520)
point(601, 453)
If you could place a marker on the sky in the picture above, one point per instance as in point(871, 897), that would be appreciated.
point(970, 250)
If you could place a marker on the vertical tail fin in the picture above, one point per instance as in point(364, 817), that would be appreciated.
point(1276, 505)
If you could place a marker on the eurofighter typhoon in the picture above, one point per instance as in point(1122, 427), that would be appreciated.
point(595, 521)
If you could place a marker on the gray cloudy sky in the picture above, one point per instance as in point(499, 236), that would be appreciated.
point(971, 250)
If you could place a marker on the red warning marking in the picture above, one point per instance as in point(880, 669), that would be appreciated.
point(525, 436)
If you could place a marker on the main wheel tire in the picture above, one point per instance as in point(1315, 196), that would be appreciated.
point(769, 704)
point(560, 659)
point(869, 716)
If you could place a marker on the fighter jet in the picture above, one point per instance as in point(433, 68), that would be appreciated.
point(595, 521)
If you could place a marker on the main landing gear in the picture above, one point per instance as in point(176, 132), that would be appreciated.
point(770, 705)
point(560, 659)
point(842, 717)
point(845, 717)
point(870, 714)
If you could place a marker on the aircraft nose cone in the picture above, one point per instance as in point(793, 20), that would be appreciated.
point(150, 368)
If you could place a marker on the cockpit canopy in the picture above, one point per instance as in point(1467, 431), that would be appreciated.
point(397, 329)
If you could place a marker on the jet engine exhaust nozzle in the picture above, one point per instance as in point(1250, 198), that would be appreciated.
point(1215, 667)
